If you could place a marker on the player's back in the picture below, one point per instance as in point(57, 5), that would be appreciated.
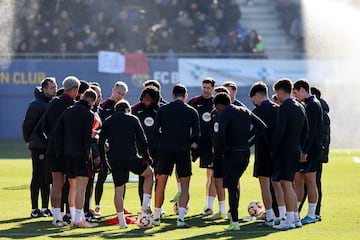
point(291, 121)
point(175, 123)
point(122, 131)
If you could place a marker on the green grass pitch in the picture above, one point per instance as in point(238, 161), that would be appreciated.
point(340, 210)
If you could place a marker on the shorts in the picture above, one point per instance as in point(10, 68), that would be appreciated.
point(263, 166)
point(120, 169)
point(218, 167)
point(206, 158)
point(55, 164)
point(168, 158)
point(309, 166)
point(235, 164)
point(285, 164)
point(77, 167)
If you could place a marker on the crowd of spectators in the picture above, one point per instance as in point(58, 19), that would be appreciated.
point(289, 12)
point(151, 26)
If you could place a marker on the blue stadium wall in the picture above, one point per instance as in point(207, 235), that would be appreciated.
point(19, 78)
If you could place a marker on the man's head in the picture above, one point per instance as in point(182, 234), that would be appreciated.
point(221, 89)
point(301, 89)
point(258, 93)
point(49, 86)
point(149, 96)
point(179, 92)
point(207, 87)
point(122, 106)
point(71, 86)
point(315, 91)
point(84, 85)
point(232, 87)
point(151, 82)
point(90, 96)
point(221, 100)
point(96, 87)
point(119, 91)
point(283, 88)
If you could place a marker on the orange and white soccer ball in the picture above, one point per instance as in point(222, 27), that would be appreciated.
point(144, 220)
point(256, 208)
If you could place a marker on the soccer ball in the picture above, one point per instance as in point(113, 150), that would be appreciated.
point(256, 208)
point(176, 208)
point(144, 220)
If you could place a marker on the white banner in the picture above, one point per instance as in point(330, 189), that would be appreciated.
point(243, 72)
point(247, 71)
point(111, 62)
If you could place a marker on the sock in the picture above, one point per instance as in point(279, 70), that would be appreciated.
point(222, 208)
point(121, 218)
point(182, 212)
point(298, 204)
point(72, 213)
point(296, 216)
point(82, 215)
point(57, 214)
point(157, 213)
point(146, 200)
point(97, 206)
point(290, 217)
point(206, 202)
point(77, 217)
point(43, 209)
point(269, 214)
point(211, 201)
point(179, 186)
point(311, 210)
point(282, 211)
point(235, 223)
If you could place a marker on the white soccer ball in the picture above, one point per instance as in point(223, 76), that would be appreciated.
point(176, 208)
point(144, 220)
point(256, 208)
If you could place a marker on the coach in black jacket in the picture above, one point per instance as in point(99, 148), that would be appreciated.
point(50, 119)
point(37, 145)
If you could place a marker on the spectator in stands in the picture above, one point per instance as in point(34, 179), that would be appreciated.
point(212, 41)
point(99, 24)
point(54, 39)
point(232, 42)
point(233, 13)
point(63, 22)
point(92, 42)
point(199, 46)
point(297, 32)
point(201, 23)
point(253, 44)
point(135, 40)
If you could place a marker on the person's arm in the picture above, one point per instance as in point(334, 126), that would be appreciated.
point(88, 136)
point(279, 130)
point(195, 129)
point(312, 114)
point(141, 141)
point(59, 137)
point(158, 123)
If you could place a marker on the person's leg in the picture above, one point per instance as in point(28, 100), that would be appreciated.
point(184, 197)
point(220, 191)
point(299, 187)
point(72, 197)
point(266, 196)
point(148, 176)
point(310, 181)
point(141, 189)
point(99, 188)
point(119, 205)
point(44, 186)
point(210, 193)
point(159, 194)
point(177, 195)
point(319, 187)
point(35, 184)
point(88, 194)
point(56, 194)
point(80, 188)
point(290, 200)
point(279, 193)
point(275, 206)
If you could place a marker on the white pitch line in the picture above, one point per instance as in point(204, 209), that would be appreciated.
point(356, 159)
